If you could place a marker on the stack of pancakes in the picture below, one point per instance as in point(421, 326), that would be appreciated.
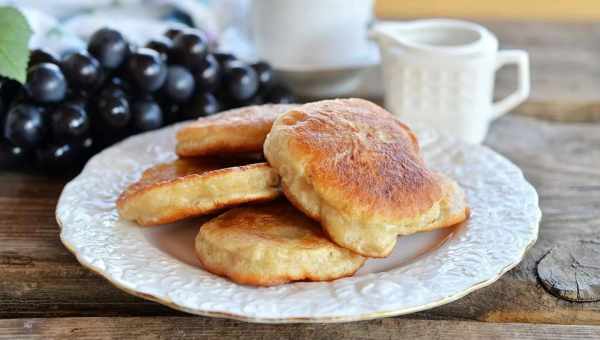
point(343, 179)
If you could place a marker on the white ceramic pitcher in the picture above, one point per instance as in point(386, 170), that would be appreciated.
point(440, 73)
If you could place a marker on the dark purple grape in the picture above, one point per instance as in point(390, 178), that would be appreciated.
point(109, 47)
point(3, 109)
point(112, 90)
point(180, 84)
point(82, 70)
point(87, 146)
point(79, 102)
point(147, 115)
point(46, 83)
point(265, 75)
point(25, 126)
point(208, 75)
point(240, 81)
point(57, 157)
point(39, 56)
point(67, 52)
point(201, 105)
point(178, 15)
point(171, 33)
point(11, 90)
point(224, 58)
point(162, 45)
point(12, 156)
point(69, 122)
point(190, 49)
point(279, 95)
point(116, 87)
point(112, 112)
point(147, 70)
point(171, 111)
point(120, 82)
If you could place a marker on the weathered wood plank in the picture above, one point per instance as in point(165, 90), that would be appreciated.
point(565, 69)
point(206, 328)
point(571, 271)
point(41, 279)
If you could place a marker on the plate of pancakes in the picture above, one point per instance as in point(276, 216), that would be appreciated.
point(328, 211)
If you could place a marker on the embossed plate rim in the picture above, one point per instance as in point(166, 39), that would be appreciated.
point(96, 265)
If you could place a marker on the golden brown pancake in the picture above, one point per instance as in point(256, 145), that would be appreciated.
point(192, 187)
point(352, 166)
point(230, 132)
point(269, 244)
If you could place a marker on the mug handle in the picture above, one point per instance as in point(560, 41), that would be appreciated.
point(521, 59)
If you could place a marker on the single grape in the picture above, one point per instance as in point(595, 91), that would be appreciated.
point(279, 95)
point(67, 52)
point(57, 157)
point(3, 108)
point(180, 84)
point(224, 58)
point(78, 102)
point(12, 156)
point(24, 126)
point(147, 115)
point(171, 33)
point(46, 83)
point(69, 122)
point(39, 56)
point(177, 15)
point(112, 90)
point(170, 110)
point(112, 112)
point(120, 82)
point(11, 90)
point(264, 73)
point(202, 104)
point(109, 47)
point(116, 87)
point(190, 49)
point(162, 45)
point(82, 70)
point(87, 146)
point(240, 81)
point(208, 75)
point(147, 70)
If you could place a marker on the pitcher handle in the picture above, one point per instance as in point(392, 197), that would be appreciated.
point(521, 59)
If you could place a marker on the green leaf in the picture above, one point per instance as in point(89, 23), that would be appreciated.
point(14, 39)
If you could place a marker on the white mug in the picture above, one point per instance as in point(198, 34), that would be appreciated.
point(309, 34)
point(440, 73)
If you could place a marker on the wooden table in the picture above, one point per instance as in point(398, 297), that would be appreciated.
point(44, 291)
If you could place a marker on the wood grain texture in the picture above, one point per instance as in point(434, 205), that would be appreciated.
point(571, 271)
point(40, 278)
point(565, 67)
point(207, 328)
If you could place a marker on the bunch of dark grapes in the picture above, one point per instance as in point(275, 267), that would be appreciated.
point(73, 106)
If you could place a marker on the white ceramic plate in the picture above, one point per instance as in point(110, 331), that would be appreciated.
point(424, 271)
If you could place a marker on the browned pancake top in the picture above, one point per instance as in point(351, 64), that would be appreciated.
point(359, 157)
point(181, 170)
point(233, 131)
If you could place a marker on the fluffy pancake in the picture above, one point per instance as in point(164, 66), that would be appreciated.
point(352, 166)
point(270, 244)
point(234, 131)
point(190, 187)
